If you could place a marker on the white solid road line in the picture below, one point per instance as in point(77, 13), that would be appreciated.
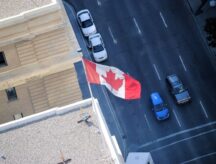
point(178, 133)
point(199, 157)
point(147, 122)
point(177, 118)
point(161, 15)
point(99, 2)
point(111, 34)
point(185, 139)
point(155, 68)
point(182, 63)
point(203, 108)
point(137, 26)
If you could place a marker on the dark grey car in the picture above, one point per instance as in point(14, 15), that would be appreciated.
point(177, 89)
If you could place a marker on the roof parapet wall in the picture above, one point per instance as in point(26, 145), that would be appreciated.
point(65, 110)
point(43, 115)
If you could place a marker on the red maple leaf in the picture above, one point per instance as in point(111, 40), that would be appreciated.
point(110, 79)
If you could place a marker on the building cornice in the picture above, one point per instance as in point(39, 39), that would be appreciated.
point(41, 69)
point(30, 14)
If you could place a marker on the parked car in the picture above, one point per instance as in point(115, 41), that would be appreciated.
point(159, 108)
point(177, 89)
point(86, 22)
point(97, 47)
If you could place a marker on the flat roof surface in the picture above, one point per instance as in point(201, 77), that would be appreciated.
point(14, 7)
point(48, 141)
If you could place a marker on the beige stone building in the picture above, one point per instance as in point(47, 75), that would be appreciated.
point(37, 50)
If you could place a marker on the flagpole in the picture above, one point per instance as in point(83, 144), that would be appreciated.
point(90, 90)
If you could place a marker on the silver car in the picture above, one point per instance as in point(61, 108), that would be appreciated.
point(86, 22)
point(97, 46)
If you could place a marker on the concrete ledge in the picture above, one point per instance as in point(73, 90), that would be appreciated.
point(113, 146)
point(30, 14)
point(69, 108)
point(43, 115)
point(26, 120)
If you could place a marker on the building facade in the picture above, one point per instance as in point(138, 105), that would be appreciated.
point(37, 50)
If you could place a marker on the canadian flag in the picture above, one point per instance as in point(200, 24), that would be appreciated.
point(119, 83)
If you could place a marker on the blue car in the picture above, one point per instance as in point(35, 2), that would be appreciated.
point(159, 107)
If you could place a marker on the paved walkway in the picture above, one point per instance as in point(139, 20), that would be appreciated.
point(99, 92)
point(200, 19)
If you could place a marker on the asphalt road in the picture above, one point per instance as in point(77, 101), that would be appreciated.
point(149, 40)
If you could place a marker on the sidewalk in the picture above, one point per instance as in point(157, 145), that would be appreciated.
point(200, 19)
point(98, 91)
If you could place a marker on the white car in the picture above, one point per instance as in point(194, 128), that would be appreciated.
point(97, 46)
point(86, 22)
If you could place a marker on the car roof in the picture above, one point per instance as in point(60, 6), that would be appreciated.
point(173, 78)
point(95, 39)
point(84, 15)
point(156, 99)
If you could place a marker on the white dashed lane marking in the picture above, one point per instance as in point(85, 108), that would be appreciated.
point(99, 2)
point(155, 68)
point(112, 36)
point(177, 118)
point(137, 26)
point(147, 122)
point(182, 62)
point(203, 108)
point(165, 24)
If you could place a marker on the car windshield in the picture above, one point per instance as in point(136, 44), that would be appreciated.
point(179, 89)
point(159, 107)
point(98, 48)
point(87, 23)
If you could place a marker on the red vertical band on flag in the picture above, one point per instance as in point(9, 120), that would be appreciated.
point(132, 88)
point(92, 75)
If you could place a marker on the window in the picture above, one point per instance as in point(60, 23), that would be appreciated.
point(2, 59)
point(11, 94)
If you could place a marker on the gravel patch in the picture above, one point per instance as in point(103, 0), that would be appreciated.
point(49, 141)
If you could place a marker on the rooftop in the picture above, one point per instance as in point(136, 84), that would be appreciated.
point(55, 138)
point(14, 7)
